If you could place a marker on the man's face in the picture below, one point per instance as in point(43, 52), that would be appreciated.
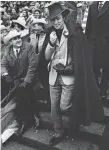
point(13, 11)
point(37, 28)
point(16, 42)
point(58, 22)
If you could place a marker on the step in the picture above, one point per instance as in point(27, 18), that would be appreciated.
point(88, 137)
point(40, 139)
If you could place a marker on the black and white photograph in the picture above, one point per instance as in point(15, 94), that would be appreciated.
point(54, 71)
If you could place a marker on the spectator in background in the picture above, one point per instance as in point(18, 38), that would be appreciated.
point(3, 32)
point(36, 13)
point(13, 14)
point(37, 39)
point(20, 26)
point(4, 17)
point(37, 5)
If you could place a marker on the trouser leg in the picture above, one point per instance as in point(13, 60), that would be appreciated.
point(55, 94)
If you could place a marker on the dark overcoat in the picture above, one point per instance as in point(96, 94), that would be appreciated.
point(86, 104)
point(97, 32)
point(25, 67)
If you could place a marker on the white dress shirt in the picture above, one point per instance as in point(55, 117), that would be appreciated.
point(15, 51)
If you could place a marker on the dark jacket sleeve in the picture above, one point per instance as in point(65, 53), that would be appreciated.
point(4, 63)
point(32, 65)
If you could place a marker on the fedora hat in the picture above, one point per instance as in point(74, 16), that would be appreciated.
point(55, 9)
point(21, 22)
point(2, 27)
point(11, 35)
point(42, 21)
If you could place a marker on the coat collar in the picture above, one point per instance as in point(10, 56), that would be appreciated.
point(63, 37)
point(11, 52)
point(104, 9)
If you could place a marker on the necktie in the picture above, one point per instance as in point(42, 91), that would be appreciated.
point(17, 53)
point(100, 5)
point(37, 37)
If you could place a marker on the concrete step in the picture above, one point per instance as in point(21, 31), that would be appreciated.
point(41, 139)
point(88, 137)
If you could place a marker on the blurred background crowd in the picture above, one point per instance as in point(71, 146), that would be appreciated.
point(12, 10)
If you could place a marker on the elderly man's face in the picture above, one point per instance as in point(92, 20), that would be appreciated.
point(16, 42)
point(58, 22)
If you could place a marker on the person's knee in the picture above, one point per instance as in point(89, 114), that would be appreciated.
point(65, 107)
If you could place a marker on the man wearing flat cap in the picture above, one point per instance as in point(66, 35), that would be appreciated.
point(19, 69)
point(73, 89)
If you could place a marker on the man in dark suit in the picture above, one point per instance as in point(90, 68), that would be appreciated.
point(19, 67)
point(97, 32)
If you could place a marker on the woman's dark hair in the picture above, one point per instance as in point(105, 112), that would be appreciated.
point(19, 26)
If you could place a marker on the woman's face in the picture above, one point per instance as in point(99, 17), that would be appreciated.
point(36, 14)
point(58, 22)
point(17, 27)
point(24, 13)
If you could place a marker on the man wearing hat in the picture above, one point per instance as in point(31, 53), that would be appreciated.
point(19, 69)
point(73, 89)
point(37, 39)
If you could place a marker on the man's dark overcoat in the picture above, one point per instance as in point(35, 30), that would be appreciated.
point(25, 67)
point(87, 105)
point(97, 32)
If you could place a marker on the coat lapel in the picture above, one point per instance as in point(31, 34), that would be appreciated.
point(63, 38)
point(104, 9)
point(95, 9)
point(12, 53)
point(22, 50)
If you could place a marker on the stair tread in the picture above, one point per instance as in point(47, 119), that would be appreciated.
point(44, 136)
point(94, 128)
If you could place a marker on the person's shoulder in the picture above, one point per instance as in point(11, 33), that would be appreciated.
point(93, 3)
point(26, 44)
point(7, 49)
point(48, 30)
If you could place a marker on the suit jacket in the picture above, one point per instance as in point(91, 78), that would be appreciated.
point(25, 67)
point(86, 103)
point(59, 54)
point(97, 32)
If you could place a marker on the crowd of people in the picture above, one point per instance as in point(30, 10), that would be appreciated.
point(45, 41)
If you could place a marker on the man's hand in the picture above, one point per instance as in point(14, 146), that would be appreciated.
point(59, 68)
point(23, 85)
point(8, 79)
point(53, 37)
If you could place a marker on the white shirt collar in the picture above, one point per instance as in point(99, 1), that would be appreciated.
point(14, 49)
